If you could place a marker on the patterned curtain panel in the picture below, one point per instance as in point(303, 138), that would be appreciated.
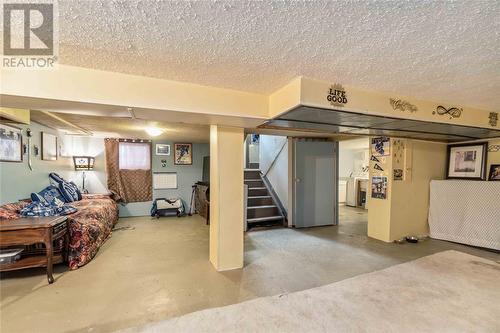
point(128, 185)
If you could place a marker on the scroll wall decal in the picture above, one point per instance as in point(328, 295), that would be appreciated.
point(494, 148)
point(399, 104)
point(452, 112)
point(493, 119)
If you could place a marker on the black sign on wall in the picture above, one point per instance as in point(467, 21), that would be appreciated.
point(337, 95)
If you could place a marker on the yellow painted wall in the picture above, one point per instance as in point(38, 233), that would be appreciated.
point(410, 199)
point(226, 197)
point(17, 115)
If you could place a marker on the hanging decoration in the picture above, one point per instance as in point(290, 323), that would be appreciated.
point(451, 112)
point(374, 159)
point(378, 167)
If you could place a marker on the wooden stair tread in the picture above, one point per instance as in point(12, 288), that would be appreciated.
point(263, 206)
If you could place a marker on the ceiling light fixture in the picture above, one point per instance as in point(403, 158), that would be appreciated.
point(154, 131)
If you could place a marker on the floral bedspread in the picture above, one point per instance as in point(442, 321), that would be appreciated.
point(90, 227)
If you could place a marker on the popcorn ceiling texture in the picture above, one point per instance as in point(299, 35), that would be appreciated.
point(437, 50)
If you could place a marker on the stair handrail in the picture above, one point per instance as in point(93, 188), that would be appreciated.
point(275, 158)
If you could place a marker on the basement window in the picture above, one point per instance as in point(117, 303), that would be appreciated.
point(134, 156)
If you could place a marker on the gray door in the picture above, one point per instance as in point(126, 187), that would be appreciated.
point(315, 183)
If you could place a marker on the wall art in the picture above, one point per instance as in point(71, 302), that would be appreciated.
point(494, 148)
point(451, 112)
point(398, 174)
point(399, 104)
point(494, 172)
point(380, 146)
point(183, 153)
point(379, 187)
point(11, 144)
point(467, 161)
point(49, 147)
point(162, 149)
point(374, 159)
point(378, 167)
point(337, 95)
point(493, 119)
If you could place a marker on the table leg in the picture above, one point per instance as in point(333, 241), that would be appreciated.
point(50, 250)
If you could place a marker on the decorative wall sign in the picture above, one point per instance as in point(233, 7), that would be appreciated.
point(162, 149)
point(49, 147)
point(11, 144)
point(398, 174)
point(337, 95)
point(399, 104)
point(493, 119)
point(494, 148)
point(380, 146)
point(467, 161)
point(163, 163)
point(374, 159)
point(379, 187)
point(378, 167)
point(494, 172)
point(452, 112)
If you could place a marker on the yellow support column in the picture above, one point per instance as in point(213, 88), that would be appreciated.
point(226, 197)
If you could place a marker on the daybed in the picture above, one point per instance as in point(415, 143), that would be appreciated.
point(89, 227)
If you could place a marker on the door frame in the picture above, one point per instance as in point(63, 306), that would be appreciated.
point(291, 181)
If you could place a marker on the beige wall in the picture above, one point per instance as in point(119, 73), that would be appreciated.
point(226, 197)
point(17, 115)
point(405, 210)
point(410, 199)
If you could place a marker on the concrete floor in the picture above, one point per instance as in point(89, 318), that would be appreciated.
point(160, 269)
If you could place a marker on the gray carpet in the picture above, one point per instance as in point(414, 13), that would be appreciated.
point(446, 292)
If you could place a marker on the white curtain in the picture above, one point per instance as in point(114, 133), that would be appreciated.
point(134, 156)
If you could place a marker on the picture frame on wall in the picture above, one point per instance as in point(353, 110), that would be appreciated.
point(467, 161)
point(494, 172)
point(162, 149)
point(49, 147)
point(11, 143)
point(183, 153)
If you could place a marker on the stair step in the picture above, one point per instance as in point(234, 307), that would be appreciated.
point(260, 197)
point(257, 188)
point(253, 180)
point(252, 170)
point(261, 207)
point(264, 219)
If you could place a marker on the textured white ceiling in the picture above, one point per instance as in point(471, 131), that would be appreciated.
point(438, 50)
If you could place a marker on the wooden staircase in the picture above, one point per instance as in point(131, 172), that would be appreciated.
point(262, 210)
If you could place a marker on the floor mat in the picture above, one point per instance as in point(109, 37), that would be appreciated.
point(446, 292)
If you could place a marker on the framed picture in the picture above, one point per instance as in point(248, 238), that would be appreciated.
point(494, 172)
point(467, 161)
point(379, 187)
point(183, 153)
point(49, 147)
point(162, 149)
point(11, 144)
point(380, 146)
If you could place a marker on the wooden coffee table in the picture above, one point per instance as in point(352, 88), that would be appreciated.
point(34, 230)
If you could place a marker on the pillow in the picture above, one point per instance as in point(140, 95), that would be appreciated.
point(54, 177)
point(48, 194)
point(69, 191)
point(35, 197)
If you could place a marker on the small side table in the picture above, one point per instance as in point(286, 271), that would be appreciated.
point(32, 230)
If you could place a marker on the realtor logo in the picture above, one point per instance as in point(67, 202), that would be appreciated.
point(28, 35)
